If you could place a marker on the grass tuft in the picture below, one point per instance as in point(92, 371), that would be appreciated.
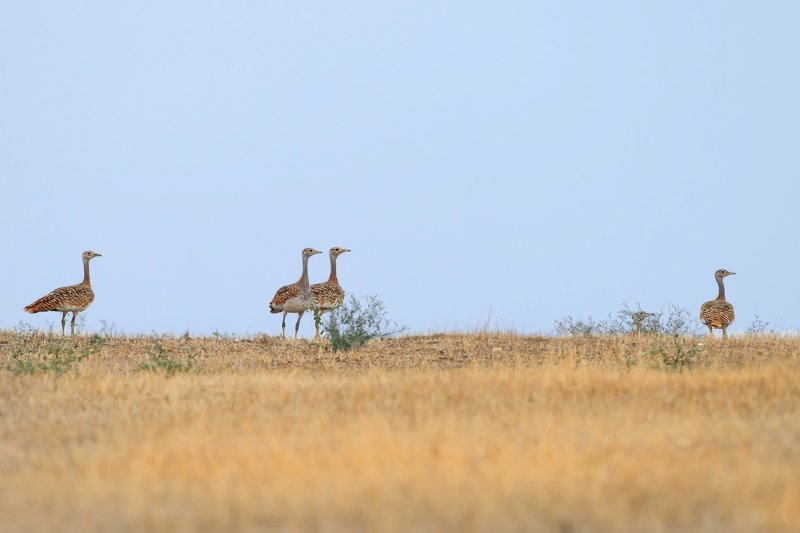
point(159, 358)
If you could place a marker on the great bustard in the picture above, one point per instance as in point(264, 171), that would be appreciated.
point(718, 313)
point(638, 318)
point(294, 298)
point(328, 295)
point(74, 298)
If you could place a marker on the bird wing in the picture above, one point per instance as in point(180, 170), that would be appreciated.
point(327, 295)
point(73, 296)
point(282, 296)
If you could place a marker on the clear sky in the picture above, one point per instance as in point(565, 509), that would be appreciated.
point(527, 160)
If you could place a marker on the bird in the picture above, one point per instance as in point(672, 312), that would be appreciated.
point(73, 298)
point(328, 295)
point(638, 318)
point(294, 298)
point(718, 313)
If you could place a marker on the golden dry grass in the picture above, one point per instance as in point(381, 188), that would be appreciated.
point(445, 432)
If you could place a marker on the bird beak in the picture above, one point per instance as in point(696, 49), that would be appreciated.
point(98, 255)
point(732, 273)
point(347, 250)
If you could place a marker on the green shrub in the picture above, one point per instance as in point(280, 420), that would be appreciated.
point(676, 321)
point(586, 328)
point(675, 358)
point(34, 353)
point(159, 359)
point(356, 321)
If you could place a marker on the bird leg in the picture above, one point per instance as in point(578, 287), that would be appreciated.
point(283, 326)
point(72, 324)
point(724, 332)
point(297, 325)
point(710, 330)
point(317, 317)
point(63, 322)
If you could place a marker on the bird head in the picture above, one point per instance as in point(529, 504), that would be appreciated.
point(88, 254)
point(336, 251)
point(308, 252)
point(722, 273)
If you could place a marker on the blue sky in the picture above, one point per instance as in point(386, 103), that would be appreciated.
point(527, 160)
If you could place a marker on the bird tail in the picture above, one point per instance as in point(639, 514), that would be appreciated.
point(45, 303)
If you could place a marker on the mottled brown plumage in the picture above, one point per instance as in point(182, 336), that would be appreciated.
point(718, 313)
point(282, 296)
point(296, 297)
point(639, 318)
point(328, 295)
point(71, 299)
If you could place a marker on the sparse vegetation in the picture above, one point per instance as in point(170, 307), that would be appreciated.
point(676, 321)
point(107, 329)
point(34, 353)
point(441, 432)
point(585, 328)
point(159, 358)
point(757, 326)
point(675, 355)
point(356, 321)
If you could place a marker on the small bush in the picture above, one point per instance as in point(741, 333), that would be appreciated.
point(356, 321)
point(108, 329)
point(677, 321)
point(220, 336)
point(160, 359)
point(635, 320)
point(675, 358)
point(757, 326)
point(34, 353)
point(586, 328)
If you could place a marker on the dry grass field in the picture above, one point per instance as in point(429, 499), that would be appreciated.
point(445, 432)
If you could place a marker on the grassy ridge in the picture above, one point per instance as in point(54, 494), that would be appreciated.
point(445, 431)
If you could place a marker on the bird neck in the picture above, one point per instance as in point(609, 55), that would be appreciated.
point(86, 273)
point(304, 278)
point(721, 295)
point(332, 277)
